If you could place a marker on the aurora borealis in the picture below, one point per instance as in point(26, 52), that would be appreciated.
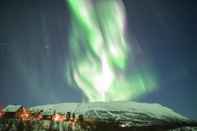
point(36, 59)
point(99, 52)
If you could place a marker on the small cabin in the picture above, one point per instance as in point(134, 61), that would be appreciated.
point(36, 114)
point(12, 111)
point(25, 114)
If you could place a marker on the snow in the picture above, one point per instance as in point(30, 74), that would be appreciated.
point(12, 108)
point(112, 115)
point(61, 108)
point(129, 113)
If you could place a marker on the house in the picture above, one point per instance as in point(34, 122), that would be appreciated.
point(25, 114)
point(12, 111)
point(36, 114)
point(16, 112)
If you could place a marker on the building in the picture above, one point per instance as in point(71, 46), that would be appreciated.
point(36, 114)
point(12, 111)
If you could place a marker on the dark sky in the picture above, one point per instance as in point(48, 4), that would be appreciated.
point(34, 51)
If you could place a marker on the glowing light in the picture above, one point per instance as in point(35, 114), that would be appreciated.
point(25, 115)
point(58, 118)
point(99, 52)
point(1, 114)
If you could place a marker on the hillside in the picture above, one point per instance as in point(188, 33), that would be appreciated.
point(125, 115)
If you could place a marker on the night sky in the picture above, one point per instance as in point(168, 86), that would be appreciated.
point(34, 51)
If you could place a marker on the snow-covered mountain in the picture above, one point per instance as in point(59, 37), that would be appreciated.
point(125, 115)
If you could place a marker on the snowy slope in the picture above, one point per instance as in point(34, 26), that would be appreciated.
point(113, 116)
point(126, 113)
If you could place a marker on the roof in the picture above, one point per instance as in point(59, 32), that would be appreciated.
point(12, 108)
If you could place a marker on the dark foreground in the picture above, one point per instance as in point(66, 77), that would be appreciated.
point(113, 116)
point(47, 125)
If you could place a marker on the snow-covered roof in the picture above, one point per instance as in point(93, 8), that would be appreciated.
point(12, 108)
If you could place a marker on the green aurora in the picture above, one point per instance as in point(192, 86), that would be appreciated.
point(99, 53)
